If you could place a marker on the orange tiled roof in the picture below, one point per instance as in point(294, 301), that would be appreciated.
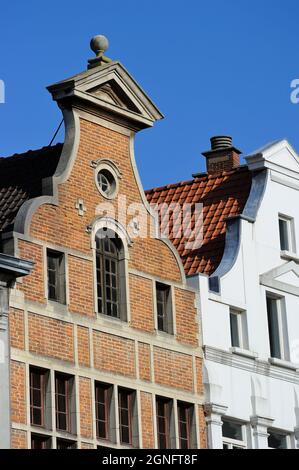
point(222, 195)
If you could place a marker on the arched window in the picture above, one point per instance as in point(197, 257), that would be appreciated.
point(109, 265)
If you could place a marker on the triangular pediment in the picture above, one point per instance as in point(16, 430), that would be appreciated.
point(278, 156)
point(284, 278)
point(111, 88)
point(112, 93)
point(285, 156)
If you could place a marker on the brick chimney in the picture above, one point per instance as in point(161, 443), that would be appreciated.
point(223, 156)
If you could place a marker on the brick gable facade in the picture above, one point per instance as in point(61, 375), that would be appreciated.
point(73, 339)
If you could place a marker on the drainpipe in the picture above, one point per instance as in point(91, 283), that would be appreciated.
point(10, 269)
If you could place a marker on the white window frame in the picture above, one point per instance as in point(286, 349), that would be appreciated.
point(290, 233)
point(241, 326)
point(234, 443)
point(282, 328)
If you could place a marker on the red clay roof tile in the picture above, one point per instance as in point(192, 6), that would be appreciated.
point(222, 195)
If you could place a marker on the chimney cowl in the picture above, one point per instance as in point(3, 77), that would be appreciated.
point(221, 142)
point(222, 156)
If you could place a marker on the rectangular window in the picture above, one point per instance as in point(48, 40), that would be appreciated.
point(103, 393)
point(164, 308)
point(56, 276)
point(185, 413)
point(164, 408)
point(238, 329)
point(233, 435)
point(277, 328)
point(40, 442)
point(62, 395)
point(125, 409)
point(65, 444)
point(277, 440)
point(37, 396)
point(273, 325)
point(286, 234)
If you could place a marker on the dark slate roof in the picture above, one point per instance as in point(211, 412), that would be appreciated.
point(222, 195)
point(21, 179)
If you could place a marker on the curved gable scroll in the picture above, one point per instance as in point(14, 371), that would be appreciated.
point(63, 170)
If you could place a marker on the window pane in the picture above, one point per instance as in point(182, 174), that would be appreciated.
point(163, 307)
point(125, 415)
point(277, 441)
point(62, 422)
point(40, 442)
point(62, 385)
point(283, 232)
point(36, 417)
point(56, 281)
point(102, 410)
point(35, 379)
point(184, 415)
point(125, 435)
point(63, 444)
point(161, 324)
point(232, 430)
point(37, 397)
point(234, 329)
point(108, 278)
point(162, 441)
point(163, 429)
point(273, 327)
point(101, 430)
point(61, 403)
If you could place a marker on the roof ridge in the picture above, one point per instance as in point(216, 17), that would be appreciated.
point(32, 151)
point(196, 179)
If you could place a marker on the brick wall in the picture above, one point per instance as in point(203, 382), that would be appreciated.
point(33, 285)
point(141, 299)
point(81, 286)
point(16, 328)
point(85, 407)
point(202, 428)
point(186, 318)
point(18, 439)
point(144, 359)
point(173, 369)
point(83, 346)
point(18, 392)
point(49, 337)
point(147, 420)
point(114, 355)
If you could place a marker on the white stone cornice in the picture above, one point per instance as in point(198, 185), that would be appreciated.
point(261, 421)
point(253, 365)
point(215, 409)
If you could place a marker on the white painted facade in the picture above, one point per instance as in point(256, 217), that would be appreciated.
point(245, 385)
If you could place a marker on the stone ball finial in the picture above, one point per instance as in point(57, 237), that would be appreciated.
point(99, 44)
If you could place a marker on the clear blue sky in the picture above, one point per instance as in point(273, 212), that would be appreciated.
point(212, 67)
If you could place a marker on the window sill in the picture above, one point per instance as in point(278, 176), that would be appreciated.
point(72, 436)
point(244, 353)
point(281, 363)
point(58, 306)
point(164, 334)
point(289, 255)
point(109, 319)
